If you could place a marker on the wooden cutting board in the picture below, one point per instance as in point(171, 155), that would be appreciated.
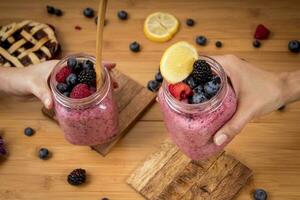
point(132, 99)
point(168, 174)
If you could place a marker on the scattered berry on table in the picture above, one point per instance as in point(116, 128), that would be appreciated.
point(202, 72)
point(201, 40)
point(29, 131)
point(105, 198)
point(3, 151)
point(71, 80)
point(43, 153)
point(72, 62)
point(50, 9)
point(134, 47)
point(87, 76)
point(159, 77)
point(89, 12)
point(78, 27)
point(87, 64)
point(153, 85)
point(256, 43)
point(180, 90)
point(197, 98)
point(294, 46)
point(190, 81)
point(261, 32)
point(122, 14)
point(80, 91)
point(211, 88)
point(63, 73)
point(190, 22)
point(260, 194)
point(62, 87)
point(219, 44)
point(77, 177)
point(58, 12)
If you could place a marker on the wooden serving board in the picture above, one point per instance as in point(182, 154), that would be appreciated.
point(132, 99)
point(168, 174)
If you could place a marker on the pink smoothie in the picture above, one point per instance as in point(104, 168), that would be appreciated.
point(96, 124)
point(192, 133)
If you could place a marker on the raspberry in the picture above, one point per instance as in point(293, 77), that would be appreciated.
point(180, 91)
point(261, 32)
point(63, 74)
point(80, 91)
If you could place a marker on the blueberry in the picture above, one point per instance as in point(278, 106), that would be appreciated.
point(62, 87)
point(29, 131)
point(260, 194)
point(294, 46)
point(71, 80)
point(122, 14)
point(87, 64)
point(67, 94)
point(216, 80)
point(159, 77)
point(198, 89)
point(134, 47)
point(219, 44)
point(153, 85)
point(190, 22)
point(201, 40)
point(43, 153)
point(72, 62)
point(50, 9)
point(88, 12)
point(211, 88)
point(58, 12)
point(105, 198)
point(256, 43)
point(190, 81)
point(197, 98)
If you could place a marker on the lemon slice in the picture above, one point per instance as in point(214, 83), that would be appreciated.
point(177, 62)
point(160, 27)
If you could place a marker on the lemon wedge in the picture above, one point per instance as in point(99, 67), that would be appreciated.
point(160, 27)
point(177, 62)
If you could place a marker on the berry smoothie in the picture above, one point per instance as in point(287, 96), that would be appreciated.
point(192, 133)
point(196, 100)
point(88, 116)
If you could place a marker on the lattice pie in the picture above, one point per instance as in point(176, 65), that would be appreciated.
point(26, 43)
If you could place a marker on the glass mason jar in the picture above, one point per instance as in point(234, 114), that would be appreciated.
point(87, 121)
point(192, 126)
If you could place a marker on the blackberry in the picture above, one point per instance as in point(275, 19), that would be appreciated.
point(87, 76)
point(77, 177)
point(3, 151)
point(202, 72)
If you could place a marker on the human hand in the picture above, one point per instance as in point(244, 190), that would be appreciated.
point(258, 92)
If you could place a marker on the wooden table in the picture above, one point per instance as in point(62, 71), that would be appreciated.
point(269, 145)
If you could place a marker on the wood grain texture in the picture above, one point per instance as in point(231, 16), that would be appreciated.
point(220, 177)
point(268, 145)
point(132, 101)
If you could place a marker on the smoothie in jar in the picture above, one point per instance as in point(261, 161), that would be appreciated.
point(88, 116)
point(197, 105)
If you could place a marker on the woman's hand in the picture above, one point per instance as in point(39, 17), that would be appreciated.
point(258, 91)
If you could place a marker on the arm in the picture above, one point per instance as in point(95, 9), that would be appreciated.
point(259, 92)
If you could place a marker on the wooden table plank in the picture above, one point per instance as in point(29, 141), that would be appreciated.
point(267, 145)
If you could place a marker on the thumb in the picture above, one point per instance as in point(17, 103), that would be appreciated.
point(233, 126)
point(44, 94)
